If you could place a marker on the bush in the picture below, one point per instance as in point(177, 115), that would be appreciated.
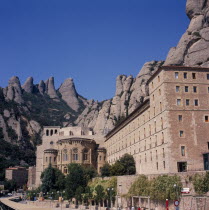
point(201, 183)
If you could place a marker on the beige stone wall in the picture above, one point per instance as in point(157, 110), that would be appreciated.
point(58, 145)
point(152, 134)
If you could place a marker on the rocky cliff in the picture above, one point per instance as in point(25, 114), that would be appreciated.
point(25, 109)
point(193, 47)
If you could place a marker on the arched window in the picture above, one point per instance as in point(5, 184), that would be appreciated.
point(51, 133)
point(71, 133)
point(65, 155)
point(47, 132)
point(85, 154)
point(55, 131)
point(75, 154)
point(65, 170)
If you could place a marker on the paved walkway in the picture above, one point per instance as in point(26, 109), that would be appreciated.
point(20, 206)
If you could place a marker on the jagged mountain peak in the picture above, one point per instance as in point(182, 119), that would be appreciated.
point(28, 85)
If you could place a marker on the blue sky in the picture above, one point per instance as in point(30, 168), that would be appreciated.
point(91, 41)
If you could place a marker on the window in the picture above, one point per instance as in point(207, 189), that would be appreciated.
point(186, 89)
point(152, 85)
point(164, 164)
point(47, 131)
point(194, 89)
point(162, 138)
point(71, 133)
point(178, 102)
point(182, 150)
point(54, 159)
point(208, 145)
point(176, 75)
point(85, 154)
point(163, 153)
point(46, 159)
point(187, 102)
point(50, 159)
point(157, 165)
point(65, 170)
point(181, 133)
point(185, 75)
point(193, 75)
point(159, 91)
point(182, 166)
point(161, 107)
point(206, 118)
point(55, 131)
point(180, 118)
point(151, 156)
point(177, 88)
point(51, 142)
point(207, 76)
point(153, 97)
point(75, 154)
point(196, 102)
point(158, 78)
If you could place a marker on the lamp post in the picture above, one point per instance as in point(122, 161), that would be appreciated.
point(110, 190)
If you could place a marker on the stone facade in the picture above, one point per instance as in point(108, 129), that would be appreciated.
point(31, 177)
point(17, 174)
point(168, 132)
point(62, 146)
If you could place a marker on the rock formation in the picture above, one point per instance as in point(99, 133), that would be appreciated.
point(50, 89)
point(69, 94)
point(193, 47)
point(14, 90)
point(28, 85)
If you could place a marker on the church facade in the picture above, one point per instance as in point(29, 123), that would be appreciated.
point(62, 146)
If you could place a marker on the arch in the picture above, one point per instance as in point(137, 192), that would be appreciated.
point(85, 154)
point(47, 132)
point(65, 170)
point(75, 154)
point(51, 132)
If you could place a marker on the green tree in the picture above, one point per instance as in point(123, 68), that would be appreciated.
point(87, 195)
point(52, 179)
point(201, 183)
point(74, 179)
point(10, 185)
point(128, 163)
point(89, 173)
point(78, 194)
point(100, 194)
point(105, 170)
point(123, 166)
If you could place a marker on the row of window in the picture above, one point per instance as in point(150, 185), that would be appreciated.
point(186, 89)
point(187, 102)
point(185, 75)
point(146, 146)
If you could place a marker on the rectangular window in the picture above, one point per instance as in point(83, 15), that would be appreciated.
point(194, 89)
point(187, 102)
point(186, 89)
point(176, 75)
point(164, 164)
point(206, 118)
point(177, 89)
point(193, 75)
point(182, 166)
point(180, 118)
point(207, 76)
point(181, 133)
point(185, 75)
point(178, 102)
point(196, 102)
point(182, 150)
point(157, 165)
